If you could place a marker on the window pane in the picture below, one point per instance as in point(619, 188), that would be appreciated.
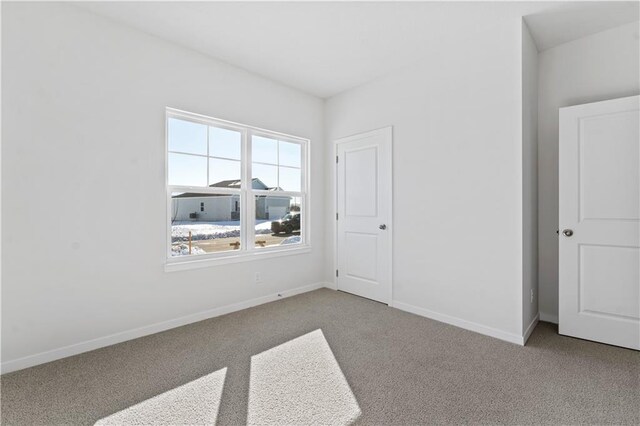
point(264, 150)
point(278, 221)
point(290, 154)
point(204, 223)
point(290, 179)
point(224, 143)
point(267, 175)
point(224, 173)
point(186, 136)
point(187, 170)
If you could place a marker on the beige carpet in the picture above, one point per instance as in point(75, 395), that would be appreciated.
point(194, 403)
point(327, 358)
point(300, 383)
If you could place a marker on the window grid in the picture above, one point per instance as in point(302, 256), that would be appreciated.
point(246, 192)
point(207, 157)
point(278, 164)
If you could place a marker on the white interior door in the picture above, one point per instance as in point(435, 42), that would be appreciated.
point(599, 296)
point(364, 214)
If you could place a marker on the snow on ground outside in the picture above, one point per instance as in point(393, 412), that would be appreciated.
point(183, 250)
point(210, 230)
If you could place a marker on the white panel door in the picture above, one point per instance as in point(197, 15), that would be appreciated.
point(599, 297)
point(364, 214)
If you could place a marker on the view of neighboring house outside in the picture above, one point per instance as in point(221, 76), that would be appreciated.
point(272, 207)
point(205, 207)
point(199, 207)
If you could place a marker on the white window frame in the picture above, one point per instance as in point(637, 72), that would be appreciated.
point(247, 194)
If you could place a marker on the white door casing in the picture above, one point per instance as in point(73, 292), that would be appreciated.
point(364, 214)
point(599, 186)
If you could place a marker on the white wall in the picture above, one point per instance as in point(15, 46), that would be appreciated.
point(529, 179)
point(457, 161)
point(594, 68)
point(83, 150)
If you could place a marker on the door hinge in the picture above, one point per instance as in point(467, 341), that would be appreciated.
point(336, 158)
point(336, 216)
point(336, 272)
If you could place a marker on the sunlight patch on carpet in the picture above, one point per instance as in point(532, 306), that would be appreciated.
point(300, 382)
point(194, 403)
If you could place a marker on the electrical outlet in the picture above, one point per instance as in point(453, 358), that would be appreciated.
point(531, 295)
point(258, 278)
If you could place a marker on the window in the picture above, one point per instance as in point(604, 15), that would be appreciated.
point(233, 190)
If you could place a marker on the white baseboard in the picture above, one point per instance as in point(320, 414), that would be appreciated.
point(548, 317)
point(530, 329)
point(331, 284)
point(100, 342)
point(459, 322)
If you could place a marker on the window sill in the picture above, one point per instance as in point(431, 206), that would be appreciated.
point(184, 265)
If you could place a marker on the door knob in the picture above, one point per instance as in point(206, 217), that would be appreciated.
point(567, 232)
point(383, 226)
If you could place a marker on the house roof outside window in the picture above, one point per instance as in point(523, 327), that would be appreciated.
point(231, 183)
